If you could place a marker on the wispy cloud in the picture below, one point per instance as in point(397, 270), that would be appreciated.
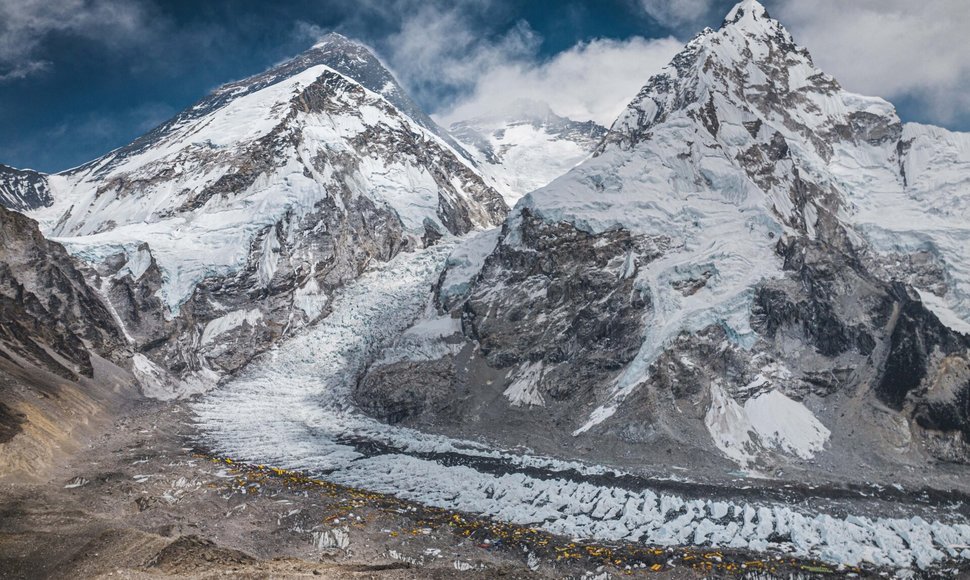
point(897, 49)
point(591, 81)
point(678, 13)
point(26, 24)
point(447, 59)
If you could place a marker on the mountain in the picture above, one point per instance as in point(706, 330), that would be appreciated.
point(756, 268)
point(230, 225)
point(526, 145)
point(23, 189)
point(61, 353)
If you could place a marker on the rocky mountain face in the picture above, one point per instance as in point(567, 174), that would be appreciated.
point(23, 189)
point(526, 145)
point(60, 350)
point(741, 275)
point(52, 318)
point(231, 225)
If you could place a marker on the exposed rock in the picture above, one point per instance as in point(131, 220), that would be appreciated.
point(50, 317)
point(58, 343)
point(23, 189)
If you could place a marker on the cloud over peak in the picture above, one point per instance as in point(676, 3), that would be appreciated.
point(26, 24)
point(897, 49)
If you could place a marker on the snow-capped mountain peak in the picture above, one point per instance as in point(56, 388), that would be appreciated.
point(751, 11)
point(524, 145)
point(738, 243)
point(23, 189)
point(282, 186)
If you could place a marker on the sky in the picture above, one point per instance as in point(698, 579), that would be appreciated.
point(81, 77)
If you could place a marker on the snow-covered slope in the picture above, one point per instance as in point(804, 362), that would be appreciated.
point(23, 189)
point(239, 216)
point(526, 146)
point(745, 249)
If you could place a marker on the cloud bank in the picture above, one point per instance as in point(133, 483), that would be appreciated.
point(26, 24)
point(897, 49)
point(593, 80)
point(444, 58)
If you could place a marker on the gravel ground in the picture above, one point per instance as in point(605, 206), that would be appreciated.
point(142, 502)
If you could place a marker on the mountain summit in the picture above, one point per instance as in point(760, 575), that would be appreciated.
point(525, 145)
point(232, 223)
point(750, 10)
point(745, 270)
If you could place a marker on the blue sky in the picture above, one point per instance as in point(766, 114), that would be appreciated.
point(80, 77)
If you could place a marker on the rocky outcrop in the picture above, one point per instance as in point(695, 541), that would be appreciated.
point(560, 310)
point(50, 317)
point(61, 353)
point(23, 189)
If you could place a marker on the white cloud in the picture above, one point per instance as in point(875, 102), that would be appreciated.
point(444, 57)
point(897, 49)
point(439, 53)
point(26, 24)
point(591, 81)
point(677, 13)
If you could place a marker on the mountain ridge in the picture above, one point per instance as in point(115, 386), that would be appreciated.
point(712, 256)
point(239, 217)
point(526, 145)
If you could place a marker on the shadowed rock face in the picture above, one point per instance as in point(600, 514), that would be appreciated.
point(564, 299)
point(23, 189)
point(58, 343)
point(49, 316)
point(560, 308)
point(10, 423)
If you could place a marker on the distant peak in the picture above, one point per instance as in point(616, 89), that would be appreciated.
point(521, 109)
point(335, 43)
point(334, 38)
point(746, 10)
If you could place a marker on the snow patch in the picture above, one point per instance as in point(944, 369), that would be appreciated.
point(770, 420)
point(466, 261)
point(948, 317)
point(157, 383)
point(219, 326)
point(310, 299)
point(524, 390)
point(786, 424)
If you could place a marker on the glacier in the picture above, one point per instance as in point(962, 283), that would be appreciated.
point(291, 408)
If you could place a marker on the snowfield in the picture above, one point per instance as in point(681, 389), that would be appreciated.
point(291, 408)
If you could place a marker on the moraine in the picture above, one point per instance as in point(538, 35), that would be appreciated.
point(292, 408)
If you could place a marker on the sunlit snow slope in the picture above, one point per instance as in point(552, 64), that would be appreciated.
point(526, 145)
point(231, 224)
